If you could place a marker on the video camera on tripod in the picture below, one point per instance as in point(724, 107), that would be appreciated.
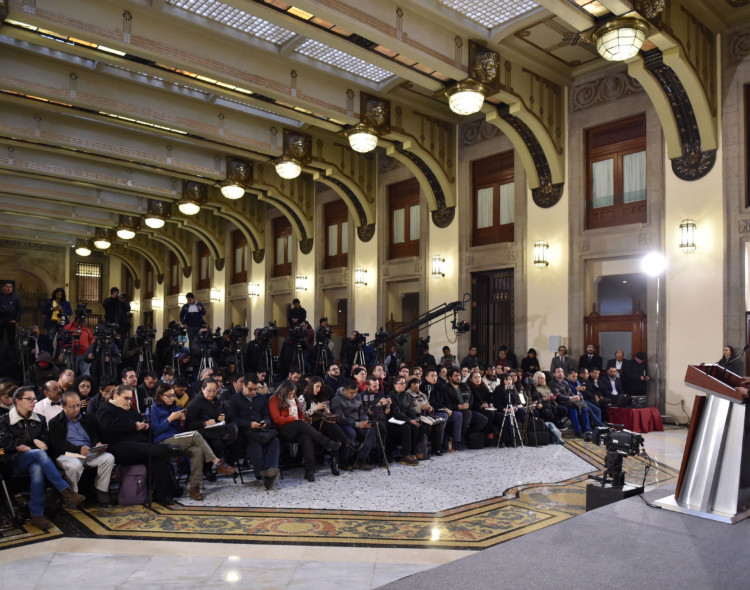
point(105, 333)
point(267, 333)
point(207, 339)
point(423, 343)
point(618, 440)
point(236, 336)
point(174, 334)
point(361, 338)
point(298, 334)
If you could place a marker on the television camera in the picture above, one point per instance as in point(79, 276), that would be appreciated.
point(619, 443)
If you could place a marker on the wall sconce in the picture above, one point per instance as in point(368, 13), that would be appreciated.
point(239, 176)
point(687, 236)
point(467, 97)
point(295, 154)
point(181, 299)
point(541, 254)
point(83, 246)
point(360, 277)
point(253, 289)
point(103, 238)
point(135, 306)
point(438, 267)
point(620, 39)
point(128, 225)
point(216, 295)
point(194, 194)
point(375, 120)
point(300, 283)
point(158, 213)
point(157, 303)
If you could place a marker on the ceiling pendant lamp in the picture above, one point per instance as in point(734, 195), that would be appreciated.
point(620, 39)
point(239, 177)
point(128, 225)
point(103, 238)
point(295, 154)
point(158, 213)
point(194, 194)
point(83, 246)
point(467, 96)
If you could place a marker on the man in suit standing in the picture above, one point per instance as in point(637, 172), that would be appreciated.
point(562, 360)
point(618, 362)
point(590, 360)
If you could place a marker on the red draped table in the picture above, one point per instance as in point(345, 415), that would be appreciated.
point(637, 419)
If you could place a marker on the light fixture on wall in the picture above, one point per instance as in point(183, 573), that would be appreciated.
point(300, 283)
point(541, 253)
point(295, 153)
point(239, 177)
point(621, 38)
point(158, 213)
point(467, 97)
point(360, 277)
point(687, 236)
point(157, 303)
point(375, 120)
point(181, 299)
point(216, 295)
point(135, 306)
point(103, 237)
point(83, 246)
point(194, 194)
point(438, 266)
point(253, 289)
point(127, 226)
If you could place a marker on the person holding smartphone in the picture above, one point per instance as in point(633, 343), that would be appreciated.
point(167, 427)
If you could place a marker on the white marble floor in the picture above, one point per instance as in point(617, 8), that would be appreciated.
point(124, 565)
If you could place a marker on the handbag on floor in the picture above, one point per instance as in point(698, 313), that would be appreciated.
point(133, 485)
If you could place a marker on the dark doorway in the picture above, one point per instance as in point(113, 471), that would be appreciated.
point(491, 312)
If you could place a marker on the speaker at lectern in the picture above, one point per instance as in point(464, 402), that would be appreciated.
point(714, 479)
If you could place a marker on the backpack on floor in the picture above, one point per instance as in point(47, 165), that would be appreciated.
point(133, 485)
point(536, 438)
point(475, 440)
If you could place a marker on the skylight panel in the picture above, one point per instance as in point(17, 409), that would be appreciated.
point(490, 14)
point(338, 59)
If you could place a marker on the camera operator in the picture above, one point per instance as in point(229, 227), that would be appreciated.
point(424, 358)
point(77, 338)
point(191, 316)
point(56, 312)
point(296, 314)
point(136, 345)
point(116, 309)
point(348, 350)
point(253, 351)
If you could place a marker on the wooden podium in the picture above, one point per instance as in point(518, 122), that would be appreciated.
point(714, 479)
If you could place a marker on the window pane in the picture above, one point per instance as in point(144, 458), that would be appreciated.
point(280, 245)
point(333, 240)
point(484, 207)
point(238, 260)
point(414, 222)
point(634, 177)
point(88, 279)
point(174, 276)
point(204, 268)
point(507, 203)
point(289, 248)
point(345, 237)
point(399, 219)
point(603, 180)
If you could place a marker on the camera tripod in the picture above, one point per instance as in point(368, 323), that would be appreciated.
point(529, 417)
point(359, 356)
point(266, 363)
point(379, 446)
point(322, 358)
point(105, 362)
point(510, 416)
point(207, 361)
point(144, 358)
point(298, 358)
point(24, 351)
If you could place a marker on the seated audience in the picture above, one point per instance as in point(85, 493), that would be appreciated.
point(347, 405)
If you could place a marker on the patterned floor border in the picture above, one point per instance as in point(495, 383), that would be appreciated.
point(520, 510)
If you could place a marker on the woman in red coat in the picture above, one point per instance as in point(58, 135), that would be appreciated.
point(289, 416)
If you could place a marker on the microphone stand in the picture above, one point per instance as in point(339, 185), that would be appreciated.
point(148, 419)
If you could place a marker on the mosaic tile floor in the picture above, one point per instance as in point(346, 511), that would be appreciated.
point(527, 490)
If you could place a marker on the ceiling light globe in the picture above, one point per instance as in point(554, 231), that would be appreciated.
point(465, 98)
point(102, 243)
point(620, 39)
point(188, 207)
point(362, 139)
point(125, 233)
point(232, 191)
point(154, 222)
point(83, 250)
point(288, 168)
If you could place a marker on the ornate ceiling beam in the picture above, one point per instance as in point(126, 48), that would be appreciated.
point(248, 215)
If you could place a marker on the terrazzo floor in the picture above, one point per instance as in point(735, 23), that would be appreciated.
point(455, 479)
point(116, 563)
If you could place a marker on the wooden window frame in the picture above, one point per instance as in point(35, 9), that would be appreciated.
point(174, 278)
point(239, 242)
point(491, 173)
point(335, 213)
point(148, 281)
point(204, 254)
point(614, 140)
point(281, 228)
point(403, 195)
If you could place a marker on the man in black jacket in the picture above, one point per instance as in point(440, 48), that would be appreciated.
point(73, 432)
point(122, 426)
point(612, 387)
point(23, 438)
point(249, 411)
